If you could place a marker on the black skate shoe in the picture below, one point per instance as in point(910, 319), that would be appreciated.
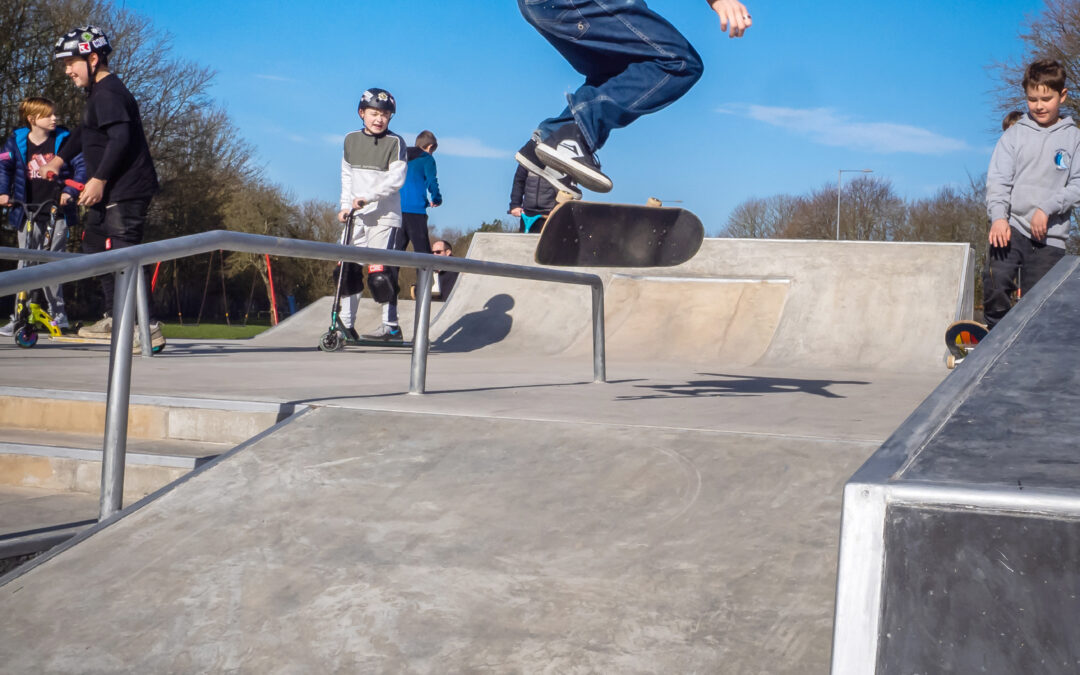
point(527, 158)
point(565, 151)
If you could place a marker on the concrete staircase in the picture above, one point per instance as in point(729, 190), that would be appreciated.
point(51, 454)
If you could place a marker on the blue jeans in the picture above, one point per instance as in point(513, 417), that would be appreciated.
point(633, 60)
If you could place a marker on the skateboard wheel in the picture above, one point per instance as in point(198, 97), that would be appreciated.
point(950, 361)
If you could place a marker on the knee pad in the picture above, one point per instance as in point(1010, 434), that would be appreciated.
point(353, 281)
point(382, 284)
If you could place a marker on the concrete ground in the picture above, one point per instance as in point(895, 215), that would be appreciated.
point(682, 517)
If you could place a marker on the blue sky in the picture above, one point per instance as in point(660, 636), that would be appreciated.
point(900, 88)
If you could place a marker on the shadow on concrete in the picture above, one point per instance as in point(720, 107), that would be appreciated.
point(741, 385)
point(476, 330)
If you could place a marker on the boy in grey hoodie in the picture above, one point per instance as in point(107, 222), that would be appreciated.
point(1031, 188)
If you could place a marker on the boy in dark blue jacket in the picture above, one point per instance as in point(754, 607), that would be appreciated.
point(25, 153)
point(421, 190)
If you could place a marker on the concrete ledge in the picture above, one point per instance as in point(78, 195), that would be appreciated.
point(202, 420)
point(960, 534)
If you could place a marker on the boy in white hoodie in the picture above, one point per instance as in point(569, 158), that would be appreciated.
point(1031, 188)
point(373, 169)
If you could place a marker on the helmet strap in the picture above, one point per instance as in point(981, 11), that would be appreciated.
point(91, 73)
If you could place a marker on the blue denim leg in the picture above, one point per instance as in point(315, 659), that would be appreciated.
point(633, 60)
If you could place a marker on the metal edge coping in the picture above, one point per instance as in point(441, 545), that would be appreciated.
point(145, 501)
point(784, 241)
point(1035, 502)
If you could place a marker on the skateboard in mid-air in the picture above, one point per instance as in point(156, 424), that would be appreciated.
point(600, 234)
point(961, 337)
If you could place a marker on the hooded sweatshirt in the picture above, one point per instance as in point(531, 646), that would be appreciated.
point(1036, 167)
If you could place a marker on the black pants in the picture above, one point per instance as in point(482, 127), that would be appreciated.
point(116, 225)
point(1019, 265)
point(413, 228)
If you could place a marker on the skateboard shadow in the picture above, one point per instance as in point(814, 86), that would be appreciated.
point(741, 385)
point(476, 330)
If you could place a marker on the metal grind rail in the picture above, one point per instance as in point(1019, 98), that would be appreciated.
point(126, 262)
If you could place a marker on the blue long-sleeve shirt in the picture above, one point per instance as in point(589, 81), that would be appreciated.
point(420, 182)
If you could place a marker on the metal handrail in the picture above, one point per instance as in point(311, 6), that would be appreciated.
point(126, 262)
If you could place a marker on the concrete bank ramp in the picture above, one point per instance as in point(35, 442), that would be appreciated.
point(773, 303)
point(365, 541)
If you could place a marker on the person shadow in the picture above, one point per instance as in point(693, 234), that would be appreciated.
point(720, 384)
point(476, 330)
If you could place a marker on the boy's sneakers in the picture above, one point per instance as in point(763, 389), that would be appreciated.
point(99, 330)
point(157, 338)
point(565, 151)
point(386, 333)
point(527, 158)
point(9, 329)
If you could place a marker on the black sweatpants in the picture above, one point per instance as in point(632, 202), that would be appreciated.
point(1020, 264)
point(116, 225)
point(413, 228)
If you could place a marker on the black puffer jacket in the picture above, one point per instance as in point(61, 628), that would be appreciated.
point(532, 193)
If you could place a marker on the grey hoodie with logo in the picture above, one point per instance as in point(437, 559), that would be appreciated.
point(1036, 167)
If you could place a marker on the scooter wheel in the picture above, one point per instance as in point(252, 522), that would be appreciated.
point(26, 337)
point(332, 341)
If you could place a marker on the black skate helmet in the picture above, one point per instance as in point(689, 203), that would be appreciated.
point(380, 99)
point(82, 42)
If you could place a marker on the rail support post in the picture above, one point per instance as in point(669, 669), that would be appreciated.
point(118, 398)
point(418, 371)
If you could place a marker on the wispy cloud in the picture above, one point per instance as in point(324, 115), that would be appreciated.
point(274, 78)
point(827, 127)
point(463, 146)
point(333, 139)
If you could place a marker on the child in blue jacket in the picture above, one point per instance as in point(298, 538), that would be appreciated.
point(27, 150)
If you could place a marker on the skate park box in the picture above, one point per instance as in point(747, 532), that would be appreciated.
point(960, 541)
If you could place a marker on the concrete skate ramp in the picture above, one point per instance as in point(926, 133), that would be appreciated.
point(307, 326)
point(774, 303)
point(366, 541)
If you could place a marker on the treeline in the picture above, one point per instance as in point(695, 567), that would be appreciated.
point(870, 210)
point(209, 177)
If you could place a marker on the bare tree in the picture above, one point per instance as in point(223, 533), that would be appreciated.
point(1054, 34)
point(762, 218)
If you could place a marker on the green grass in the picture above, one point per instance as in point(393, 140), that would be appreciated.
point(211, 331)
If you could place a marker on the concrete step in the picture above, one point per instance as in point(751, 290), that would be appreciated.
point(52, 439)
point(51, 455)
point(67, 461)
point(152, 417)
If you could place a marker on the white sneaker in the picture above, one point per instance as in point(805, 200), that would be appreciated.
point(157, 339)
point(9, 329)
point(385, 333)
point(99, 330)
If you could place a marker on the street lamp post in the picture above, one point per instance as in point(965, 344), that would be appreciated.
point(839, 175)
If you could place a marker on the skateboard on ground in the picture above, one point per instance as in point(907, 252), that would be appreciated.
point(961, 337)
point(600, 234)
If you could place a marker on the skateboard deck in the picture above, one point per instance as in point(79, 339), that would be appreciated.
point(599, 234)
point(961, 337)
